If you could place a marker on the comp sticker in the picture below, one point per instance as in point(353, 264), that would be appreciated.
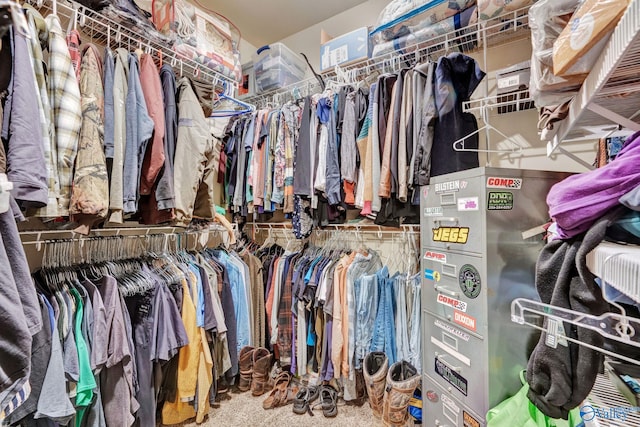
point(470, 282)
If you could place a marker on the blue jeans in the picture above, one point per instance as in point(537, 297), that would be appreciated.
point(384, 333)
point(366, 292)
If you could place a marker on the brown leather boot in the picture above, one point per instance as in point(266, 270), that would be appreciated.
point(245, 362)
point(375, 370)
point(261, 365)
point(402, 380)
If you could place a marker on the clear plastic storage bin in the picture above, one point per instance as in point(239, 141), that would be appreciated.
point(276, 66)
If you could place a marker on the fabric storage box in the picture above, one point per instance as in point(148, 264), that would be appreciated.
point(431, 33)
point(401, 17)
point(345, 49)
point(513, 85)
point(489, 9)
point(276, 66)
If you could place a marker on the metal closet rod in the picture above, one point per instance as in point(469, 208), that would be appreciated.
point(136, 232)
point(369, 228)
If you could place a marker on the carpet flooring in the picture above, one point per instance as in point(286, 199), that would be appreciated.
point(244, 410)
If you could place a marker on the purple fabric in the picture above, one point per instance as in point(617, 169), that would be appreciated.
point(327, 366)
point(578, 201)
point(294, 364)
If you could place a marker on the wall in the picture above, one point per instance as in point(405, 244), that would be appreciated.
point(246, 51)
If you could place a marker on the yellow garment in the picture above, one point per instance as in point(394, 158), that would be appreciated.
point(188, 360)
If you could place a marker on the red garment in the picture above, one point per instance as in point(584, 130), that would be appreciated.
point(154, 156)
point(73, 41)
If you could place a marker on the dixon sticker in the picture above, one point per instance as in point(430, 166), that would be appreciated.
point(452, 302)
point(511, 183)
point(451, 234)
point(500, 201)
point(435, 256)
point(464, 320)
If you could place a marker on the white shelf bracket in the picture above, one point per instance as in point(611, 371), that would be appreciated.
point(614, 117)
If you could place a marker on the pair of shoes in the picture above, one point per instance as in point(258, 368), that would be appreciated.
point(254, 369)
point(328, 401)
point(282, 394)
point(304, 398)
point(389, 389)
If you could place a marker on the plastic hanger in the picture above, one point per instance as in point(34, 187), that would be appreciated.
point(459, 144)
point(222, 96)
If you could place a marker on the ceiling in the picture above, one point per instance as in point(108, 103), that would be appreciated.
point(263, 22)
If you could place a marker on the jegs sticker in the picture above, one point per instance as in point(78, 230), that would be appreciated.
point(451, 234)
point(435, 256)
point(452, 302)
point(509, 183)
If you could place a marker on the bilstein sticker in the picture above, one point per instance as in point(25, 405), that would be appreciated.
point(468, 420)
point(500, 201)
point(454, 331)
point(437, 211)
point(452, 302)
point(452, 377)
point(450, 186)
point(470, 282)
point(451, 234)
point(465, 320)
point(432, 275)
point(510, 183)
point(435, 256)
point(468, 204)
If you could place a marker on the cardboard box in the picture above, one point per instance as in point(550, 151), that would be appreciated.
point(591, 23)
point(343, 50)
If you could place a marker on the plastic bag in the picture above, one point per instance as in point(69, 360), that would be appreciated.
point(489, 9)
point(401, 17)
point(519, 411)
point(547, 19)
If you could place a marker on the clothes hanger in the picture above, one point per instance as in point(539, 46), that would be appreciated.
point(223, 96)
point(458, 145)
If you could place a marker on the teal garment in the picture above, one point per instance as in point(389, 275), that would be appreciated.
point(86, 381)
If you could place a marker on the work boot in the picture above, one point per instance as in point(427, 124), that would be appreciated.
point(246, 367)
point(375, 370)
point(261, 365)
point(402, 380)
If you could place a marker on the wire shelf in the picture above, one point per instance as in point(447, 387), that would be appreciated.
point(606, 396)
point(611, 91)
point(504, 29)
point(104, 31)
point(504, 103)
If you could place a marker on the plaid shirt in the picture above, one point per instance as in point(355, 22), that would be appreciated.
point(64, 94)
point(37, 28)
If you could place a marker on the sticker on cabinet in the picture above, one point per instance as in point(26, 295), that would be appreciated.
point(452, 377)
point(468, 204)
point(500, 201)
point(452, 302)
point(465, 320)
point(509, 183)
